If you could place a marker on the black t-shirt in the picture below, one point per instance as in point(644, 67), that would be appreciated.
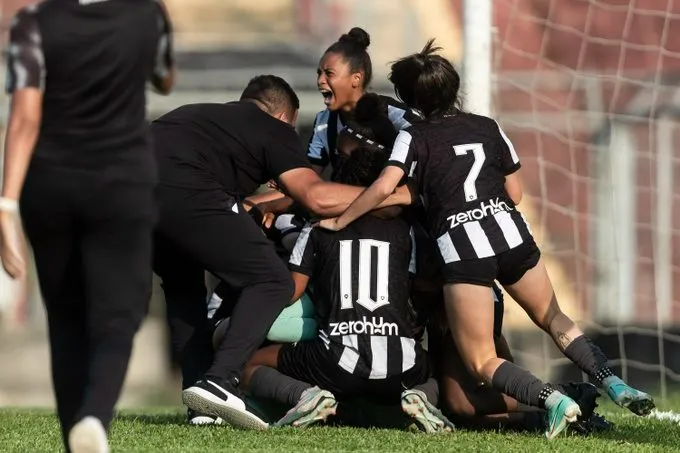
point(233, 147)
point(459, 163)
point(92, 61)
point(360, 279)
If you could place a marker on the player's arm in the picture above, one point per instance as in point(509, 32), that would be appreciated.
point(26, 77)
point(401, 158)
point(163, 75)
point(301, 262)
point(511, 166)
point(328, 199)
point(304, 185)
point(301, 281)
point(513, 187)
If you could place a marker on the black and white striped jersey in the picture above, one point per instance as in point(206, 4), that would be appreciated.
point(322, 149)
point(361, 286)
point(459, 163)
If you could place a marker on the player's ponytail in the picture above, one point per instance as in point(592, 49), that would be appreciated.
point(352, 46)
point(427, 82)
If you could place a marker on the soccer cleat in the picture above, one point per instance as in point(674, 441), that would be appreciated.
point(195, 418)
point(626, 396)
point(585, 395)
point(88, 436)
point(414, 403)
point(315, 406)
point(209, 398)
point(560, 410)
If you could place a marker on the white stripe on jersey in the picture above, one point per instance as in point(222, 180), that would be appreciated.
point(397, 116)
point(401, 146)
point(508, 228)
point(300, 245)
point(412, 264)
point(478, 239)
point(350, 356)
point(378, 357)
point(408, 351)
point(513, 153)
point(447, 249)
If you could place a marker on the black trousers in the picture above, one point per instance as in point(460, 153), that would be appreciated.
point(92, 237)
point(201, 230)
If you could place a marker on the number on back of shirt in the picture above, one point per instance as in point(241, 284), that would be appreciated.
point(469, 186)
point(364, 290)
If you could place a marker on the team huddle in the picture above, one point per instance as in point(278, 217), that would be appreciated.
point(363, 287)
point(409, 235)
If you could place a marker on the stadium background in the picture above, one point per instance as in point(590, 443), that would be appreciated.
point(587, 91)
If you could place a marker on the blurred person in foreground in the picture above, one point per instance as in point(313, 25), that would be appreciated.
point(79, 163)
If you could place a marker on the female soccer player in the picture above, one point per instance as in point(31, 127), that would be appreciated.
point(78, 136)
point(467, 175)
point(343, 77)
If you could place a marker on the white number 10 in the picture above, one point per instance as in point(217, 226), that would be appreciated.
point(478, 153)
point(364, 284)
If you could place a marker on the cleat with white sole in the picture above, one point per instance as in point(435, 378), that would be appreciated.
point(428, 418)
point(315, 406)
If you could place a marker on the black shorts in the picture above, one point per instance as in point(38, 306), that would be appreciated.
point(311, 362)
point(507, 267)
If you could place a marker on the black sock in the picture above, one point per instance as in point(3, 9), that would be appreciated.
point(520, 384)
point(589, 358)
point(269, 383)
point(431, 390)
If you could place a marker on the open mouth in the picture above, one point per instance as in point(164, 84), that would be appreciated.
point(327, 96)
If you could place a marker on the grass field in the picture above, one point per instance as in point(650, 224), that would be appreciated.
point(163, 430)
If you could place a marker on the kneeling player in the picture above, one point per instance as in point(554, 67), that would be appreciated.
point(367, 345)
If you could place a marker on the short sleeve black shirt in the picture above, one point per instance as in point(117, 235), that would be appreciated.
point(233, 147)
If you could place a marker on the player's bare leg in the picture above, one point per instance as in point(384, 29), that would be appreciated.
point(535, 294)
point(470, 313)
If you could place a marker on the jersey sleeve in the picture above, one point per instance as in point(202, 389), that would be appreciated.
point(284, 151)
point(25, 58)
point(317, 149)
point(165, 55)
point(403, 152)
point(303, 255)
point(509, 158)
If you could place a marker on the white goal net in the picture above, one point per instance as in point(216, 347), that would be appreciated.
point(588, 92)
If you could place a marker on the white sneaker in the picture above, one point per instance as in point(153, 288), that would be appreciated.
point(88, 436)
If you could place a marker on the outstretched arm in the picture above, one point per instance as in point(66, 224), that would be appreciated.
point(369, 199)
point(328, 199)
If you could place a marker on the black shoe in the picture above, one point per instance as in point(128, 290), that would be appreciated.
point(221, 400)
point(585, 394)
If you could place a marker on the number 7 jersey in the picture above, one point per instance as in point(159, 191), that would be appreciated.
point(360, 278)
point(459, 163)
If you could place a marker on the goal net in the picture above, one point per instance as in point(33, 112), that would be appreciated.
point(588, 92)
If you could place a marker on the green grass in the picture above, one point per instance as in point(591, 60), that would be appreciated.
point(163, 430)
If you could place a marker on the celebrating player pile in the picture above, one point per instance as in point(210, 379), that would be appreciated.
point(370, 278)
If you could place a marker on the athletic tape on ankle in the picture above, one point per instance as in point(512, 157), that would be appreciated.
point(8, 205)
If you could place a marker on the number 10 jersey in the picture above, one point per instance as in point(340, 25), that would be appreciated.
point(360, 280)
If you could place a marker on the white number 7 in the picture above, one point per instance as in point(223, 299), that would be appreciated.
point(478, 153)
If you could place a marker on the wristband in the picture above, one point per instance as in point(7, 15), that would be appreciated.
point(8, 205)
